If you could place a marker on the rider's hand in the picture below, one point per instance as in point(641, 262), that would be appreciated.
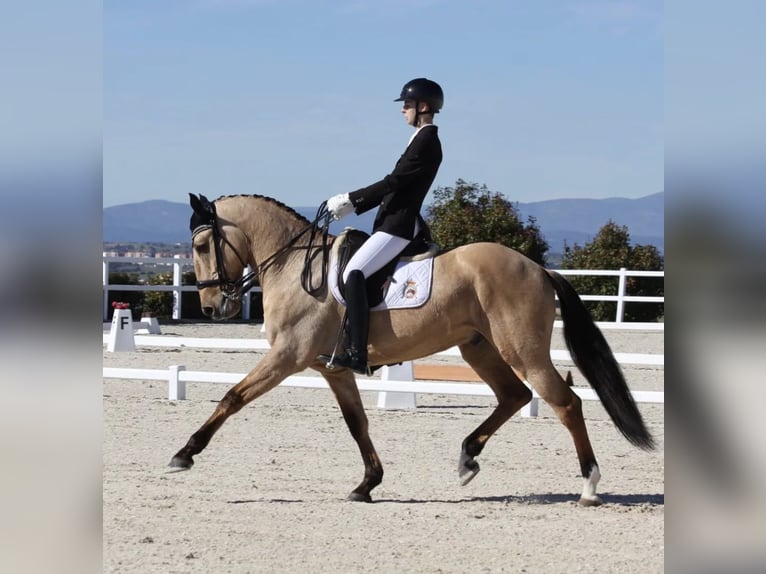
point(339, 206)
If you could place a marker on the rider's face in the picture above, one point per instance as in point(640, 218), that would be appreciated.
point(408, 109)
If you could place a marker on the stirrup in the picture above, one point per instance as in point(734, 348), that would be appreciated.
point(346, 361)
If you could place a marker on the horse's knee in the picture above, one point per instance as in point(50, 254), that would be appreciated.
point(231, 402)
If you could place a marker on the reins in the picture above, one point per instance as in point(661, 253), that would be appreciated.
point(235, 289)
point(324, 215)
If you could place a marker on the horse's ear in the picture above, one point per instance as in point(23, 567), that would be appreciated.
point(195, 203)
point(203, 211)
point(202, 205)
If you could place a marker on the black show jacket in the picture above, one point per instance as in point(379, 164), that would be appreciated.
point(401, 193)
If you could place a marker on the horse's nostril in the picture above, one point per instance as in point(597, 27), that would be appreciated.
point(207, 311)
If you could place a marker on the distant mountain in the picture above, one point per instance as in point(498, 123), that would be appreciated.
point(579, 220)
point(570, 220)
point(155, 221)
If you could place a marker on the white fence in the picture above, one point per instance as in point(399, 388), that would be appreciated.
point(177, 376)
point(178, 263)
point(396, 387)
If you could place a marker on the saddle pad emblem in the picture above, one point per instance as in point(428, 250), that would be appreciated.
point(409, 288)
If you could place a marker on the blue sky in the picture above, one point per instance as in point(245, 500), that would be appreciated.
point(293, 99)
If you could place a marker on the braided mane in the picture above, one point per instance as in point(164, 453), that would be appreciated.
point(279, 204)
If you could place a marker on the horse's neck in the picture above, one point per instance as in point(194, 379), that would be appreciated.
point(268, 225)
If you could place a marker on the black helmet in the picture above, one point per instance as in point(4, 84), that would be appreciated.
point(423, 90)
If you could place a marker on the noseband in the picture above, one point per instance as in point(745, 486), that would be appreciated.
point(230, 288)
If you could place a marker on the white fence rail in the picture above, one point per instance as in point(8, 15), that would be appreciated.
point(179, 262)
point(263, 345)
point(177, 376)
point(394, 392)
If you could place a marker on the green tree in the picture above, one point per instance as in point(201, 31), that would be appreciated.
point(161, 302)
point(611, 249)
point(469, 213)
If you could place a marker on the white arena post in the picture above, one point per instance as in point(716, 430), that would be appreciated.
point(396, 400)
point(121, 333)
point(531, 408)
point(176, 387)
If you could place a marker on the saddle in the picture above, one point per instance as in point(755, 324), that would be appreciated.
point(348, 242)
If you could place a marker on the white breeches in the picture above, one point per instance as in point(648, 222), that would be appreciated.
point(374, 253)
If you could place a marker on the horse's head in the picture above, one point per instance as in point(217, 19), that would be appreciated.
point(220, 252)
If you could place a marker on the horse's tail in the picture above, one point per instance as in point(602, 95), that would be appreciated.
point(594, 358)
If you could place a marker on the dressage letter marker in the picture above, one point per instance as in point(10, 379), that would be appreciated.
point(121, 333)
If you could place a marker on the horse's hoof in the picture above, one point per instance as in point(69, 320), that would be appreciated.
point(359, 497)
point(177, 464)
point(468, 475)
point(590, 501)
point(467, 469)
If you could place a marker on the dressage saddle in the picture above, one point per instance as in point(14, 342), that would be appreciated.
point(377, 283)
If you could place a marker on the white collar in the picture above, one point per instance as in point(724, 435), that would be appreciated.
point(417, 131)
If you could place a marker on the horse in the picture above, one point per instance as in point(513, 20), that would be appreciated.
point(496, 305)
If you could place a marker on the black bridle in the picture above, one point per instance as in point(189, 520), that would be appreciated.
point(230, 288)
point(234, 289)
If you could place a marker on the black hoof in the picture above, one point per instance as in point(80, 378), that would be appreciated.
point(359, 497)
point(467, 469)
point(179, 463)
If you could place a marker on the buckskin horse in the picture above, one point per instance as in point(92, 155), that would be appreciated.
point(493, 303)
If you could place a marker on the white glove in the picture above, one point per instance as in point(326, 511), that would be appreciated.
point(339, 206)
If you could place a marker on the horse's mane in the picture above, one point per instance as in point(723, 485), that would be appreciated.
point(279, 204)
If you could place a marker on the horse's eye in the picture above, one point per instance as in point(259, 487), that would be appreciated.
point(202, 248)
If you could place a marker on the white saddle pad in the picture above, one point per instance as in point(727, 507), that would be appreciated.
point(410, 286)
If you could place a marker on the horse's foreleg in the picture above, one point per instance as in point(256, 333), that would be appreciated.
point(344, 388)
point(511, 393)
point(568, 407)
point(271, 371)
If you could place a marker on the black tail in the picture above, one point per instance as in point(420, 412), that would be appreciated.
point(594, 358)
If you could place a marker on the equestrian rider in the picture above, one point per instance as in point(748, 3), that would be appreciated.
point(400, 196)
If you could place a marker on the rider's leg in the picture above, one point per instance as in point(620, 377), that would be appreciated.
point(357, 327)
point(374, 253)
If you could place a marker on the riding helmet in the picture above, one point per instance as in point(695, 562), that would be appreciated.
point(423, 90)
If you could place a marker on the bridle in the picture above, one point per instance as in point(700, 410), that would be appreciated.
point(234, 289)
point(230, 288)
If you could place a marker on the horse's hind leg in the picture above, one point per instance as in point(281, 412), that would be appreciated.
point(346, 392)
point(511, 393)
point(568, 407)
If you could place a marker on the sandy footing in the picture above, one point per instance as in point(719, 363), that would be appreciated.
point(268, 494)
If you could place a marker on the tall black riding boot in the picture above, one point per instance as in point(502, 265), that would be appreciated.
point(357, 327)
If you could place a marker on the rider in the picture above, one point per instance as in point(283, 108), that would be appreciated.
point(400, 196)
